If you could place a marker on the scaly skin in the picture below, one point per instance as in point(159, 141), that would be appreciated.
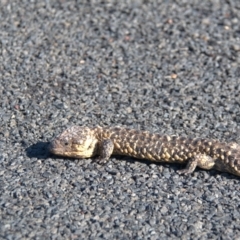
point(84, 142)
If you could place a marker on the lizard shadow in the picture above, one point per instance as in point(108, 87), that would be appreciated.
point(38, 150)
point(178, 166)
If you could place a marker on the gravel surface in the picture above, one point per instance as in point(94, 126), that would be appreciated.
point(165, 66)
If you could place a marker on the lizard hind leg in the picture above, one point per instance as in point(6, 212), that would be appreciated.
point(200, 160)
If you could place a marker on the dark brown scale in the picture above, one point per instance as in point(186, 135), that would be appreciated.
point(206, 143)
point(235, 151)
point(164, 138)
point(175, 140)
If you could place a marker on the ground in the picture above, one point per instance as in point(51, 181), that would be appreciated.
point(164, 66)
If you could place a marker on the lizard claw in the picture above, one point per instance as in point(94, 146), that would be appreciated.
point(184, 171)
point(101, 161)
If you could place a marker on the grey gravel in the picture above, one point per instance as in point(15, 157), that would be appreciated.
point(165, 66)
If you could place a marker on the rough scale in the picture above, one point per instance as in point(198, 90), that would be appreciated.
point(84, 142)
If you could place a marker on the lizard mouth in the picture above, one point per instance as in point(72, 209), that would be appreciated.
point(55, 148)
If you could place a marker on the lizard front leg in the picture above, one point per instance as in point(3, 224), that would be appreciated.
point(105, 151)
point(200, 160)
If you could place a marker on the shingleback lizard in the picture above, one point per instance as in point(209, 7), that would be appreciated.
point(85, 142)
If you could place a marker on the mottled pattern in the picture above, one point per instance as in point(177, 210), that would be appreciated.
point(84, 142)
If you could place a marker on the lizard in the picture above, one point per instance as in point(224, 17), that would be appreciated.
point(87, 142)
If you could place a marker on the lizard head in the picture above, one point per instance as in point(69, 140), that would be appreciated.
point(76, 142)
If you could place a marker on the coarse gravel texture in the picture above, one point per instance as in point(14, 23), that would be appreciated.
point(171, 67)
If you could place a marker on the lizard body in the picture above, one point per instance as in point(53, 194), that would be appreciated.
point(85, 142)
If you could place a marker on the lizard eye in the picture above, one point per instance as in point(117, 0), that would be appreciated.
point(65, 143)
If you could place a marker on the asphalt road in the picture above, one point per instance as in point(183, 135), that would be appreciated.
point(171, 67)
